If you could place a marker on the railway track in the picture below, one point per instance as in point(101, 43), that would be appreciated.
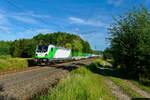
point(31, 68)
point(18, 70)
point(24, 83)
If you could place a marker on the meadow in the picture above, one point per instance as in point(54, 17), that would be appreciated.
point(9, 63)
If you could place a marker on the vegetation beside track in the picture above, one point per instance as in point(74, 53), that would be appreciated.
point(88, 83)
point(141, 86)
point(119, 79)
point(125, 87)
point(82, 84)
point(8, 63)
point(129, 43)
point(113, 75)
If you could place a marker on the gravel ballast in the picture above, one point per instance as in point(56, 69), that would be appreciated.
point(22, 85)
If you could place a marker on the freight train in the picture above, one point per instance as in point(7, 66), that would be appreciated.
point(48, 53)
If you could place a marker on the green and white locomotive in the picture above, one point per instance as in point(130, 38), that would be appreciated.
point(47, 53)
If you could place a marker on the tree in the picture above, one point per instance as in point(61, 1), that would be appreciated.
point(62, 39)
point(5, 47)
point(107, 54)
point(29, 50)
point(130, 42)
point(86, 47)
point(77, 46)
point(68, 45)
point(19, 46)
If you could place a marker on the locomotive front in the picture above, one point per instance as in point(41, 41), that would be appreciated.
point(41, 55)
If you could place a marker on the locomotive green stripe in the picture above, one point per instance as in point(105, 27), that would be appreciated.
point(51, 53)
point(41, 57)
point(70, 55)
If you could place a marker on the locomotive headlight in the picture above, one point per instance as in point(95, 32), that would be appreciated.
point(46, 54)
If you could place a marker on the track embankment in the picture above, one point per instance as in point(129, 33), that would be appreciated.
point(24, 84)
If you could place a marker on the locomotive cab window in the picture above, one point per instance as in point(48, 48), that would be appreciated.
point(52, 49)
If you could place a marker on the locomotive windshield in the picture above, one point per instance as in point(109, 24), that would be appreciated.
point(42, 48)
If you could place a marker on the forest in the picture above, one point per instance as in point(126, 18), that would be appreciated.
point(26, 47)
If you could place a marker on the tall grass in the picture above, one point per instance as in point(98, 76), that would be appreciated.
point(8, 63)
point(82, 84)
point(115, 76)
point(125, 87)
point(140, 85)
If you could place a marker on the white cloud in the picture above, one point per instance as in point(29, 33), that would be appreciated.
point(32, 32)
point(24, 34)
point(4, 23)
point(25, 19)
point(32, 14)
point(28, 17)
point(75, 20)
point(44, 31)
point(36, 31)
point(4, 28)
point(3, 19)
point(86, 31)
point(115, 2)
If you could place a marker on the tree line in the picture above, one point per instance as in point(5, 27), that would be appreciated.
point(130, 43)
point(26, 47)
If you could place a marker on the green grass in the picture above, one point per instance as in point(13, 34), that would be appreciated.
point(143, 87)
point(113, 75)
point(124, 86)
point(101, 65)
point(82, 84)
point(85, 84)
point(9, 63)
point(102, 62)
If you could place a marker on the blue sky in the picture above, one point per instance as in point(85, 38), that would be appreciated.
point(87, 18)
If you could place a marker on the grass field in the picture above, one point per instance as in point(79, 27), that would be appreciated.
point(8, 63)
point(82, 84)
